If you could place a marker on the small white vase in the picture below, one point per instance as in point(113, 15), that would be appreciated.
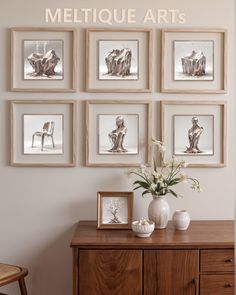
point(159, 211)
point(181, 219)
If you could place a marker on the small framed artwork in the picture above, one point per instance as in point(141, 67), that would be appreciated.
point(194, 61)
point(195, 131)
point(43, 59)
point(118, 60)
point(118, 133)
point(114, 210)
point(43, 133)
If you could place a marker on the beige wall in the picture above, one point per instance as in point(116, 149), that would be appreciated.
point(39, 207)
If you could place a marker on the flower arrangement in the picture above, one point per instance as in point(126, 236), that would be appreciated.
point(160, 181)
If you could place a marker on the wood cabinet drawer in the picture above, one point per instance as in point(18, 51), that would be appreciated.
point(217, 284)
point(116, 272)
point(217, 260)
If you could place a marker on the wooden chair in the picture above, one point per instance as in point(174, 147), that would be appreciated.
point(11, 273)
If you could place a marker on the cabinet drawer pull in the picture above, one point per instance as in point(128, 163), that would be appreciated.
point(228, 285)
point(195, 286)
point(230, 260)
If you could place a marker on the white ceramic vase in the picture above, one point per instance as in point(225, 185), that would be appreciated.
point(159, 211)
point(181, 219)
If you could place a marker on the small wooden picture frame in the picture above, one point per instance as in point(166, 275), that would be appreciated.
point(114, 210)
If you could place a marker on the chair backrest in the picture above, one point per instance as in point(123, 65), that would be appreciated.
point(49, 127)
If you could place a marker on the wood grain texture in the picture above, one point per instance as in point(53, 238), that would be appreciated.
point(75, 271)
point(5, 280)
point(217, 260)
point(116, 272)
point(200, 234)
point(217, 284)
point(170, 272)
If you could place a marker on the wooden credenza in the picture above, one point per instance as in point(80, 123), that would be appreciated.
point(115, 262)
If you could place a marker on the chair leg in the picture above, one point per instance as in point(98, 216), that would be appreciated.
point(53, 143)
point(22, 286)
point(33, 140)
point(42, 142)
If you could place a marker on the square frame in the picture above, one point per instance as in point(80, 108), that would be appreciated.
point(117, 107)
point(20, 108)
point(143, 84)
point(219, 82)
point(68, 36)
point(100, 198)
point(216, 108)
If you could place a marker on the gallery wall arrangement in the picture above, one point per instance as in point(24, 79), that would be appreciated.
point(119, 133)
point(89, 109)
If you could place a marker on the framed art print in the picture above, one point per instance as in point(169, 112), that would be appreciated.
point(36, 52)
point(43, 59)
point(110, 51)
point(193, 135)
point(185, 55)
point(114, 210)
point(118, 60)
point(109, 142)
point(118, 133)
point(195, 131)
point(194, 61)
point(43, 133)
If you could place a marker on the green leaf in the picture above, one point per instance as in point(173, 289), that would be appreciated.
point(136, 182)
point(173, 181)
point(142, 183)
point(154, 165)
point(144, 193)
point(173, 193)
point(137, 187)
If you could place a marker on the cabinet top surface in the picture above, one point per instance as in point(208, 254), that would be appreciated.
point(200, 234)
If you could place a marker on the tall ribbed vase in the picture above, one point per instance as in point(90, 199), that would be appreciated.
point(159, 211)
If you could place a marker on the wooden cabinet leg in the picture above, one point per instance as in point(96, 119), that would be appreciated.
point(22, 286)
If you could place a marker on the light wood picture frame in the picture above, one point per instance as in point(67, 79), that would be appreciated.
point(43, 133)
point(137, 119)
point(208, 44)
point(34, 50)
point(114, 210)
point(211, 117)
point(100, 42)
